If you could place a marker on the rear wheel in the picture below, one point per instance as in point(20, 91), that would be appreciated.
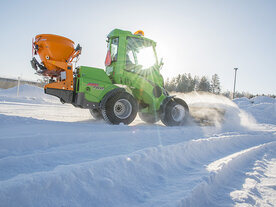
point(176, 113)
point(120, 108)
point(96, 114)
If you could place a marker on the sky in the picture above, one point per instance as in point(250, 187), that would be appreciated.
point(198, 37)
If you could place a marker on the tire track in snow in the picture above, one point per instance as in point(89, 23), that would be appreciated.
point(228, 175)
point(259, 188)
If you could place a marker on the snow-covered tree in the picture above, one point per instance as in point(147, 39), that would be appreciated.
point(204, 85)
point(215, 84)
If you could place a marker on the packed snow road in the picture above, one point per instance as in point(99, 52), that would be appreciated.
point(56, 155)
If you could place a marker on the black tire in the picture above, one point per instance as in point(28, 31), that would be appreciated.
point(96, 114)
point(62, 101)
point(120, 108)
point(176, 113)
point(149, 118)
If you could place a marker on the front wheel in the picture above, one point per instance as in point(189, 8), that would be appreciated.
point(176, 113)
point(120, 108)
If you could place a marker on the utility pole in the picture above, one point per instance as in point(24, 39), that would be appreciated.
point(18, 84)
point(235, 82)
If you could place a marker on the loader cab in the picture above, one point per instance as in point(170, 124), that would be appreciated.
point(127, 52)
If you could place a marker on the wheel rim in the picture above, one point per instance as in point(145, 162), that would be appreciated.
point(122, 108)
point(178, 113)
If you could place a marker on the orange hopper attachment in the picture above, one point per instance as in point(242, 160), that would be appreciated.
point(56, 54)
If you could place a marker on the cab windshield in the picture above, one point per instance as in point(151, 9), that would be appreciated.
point(140, 54)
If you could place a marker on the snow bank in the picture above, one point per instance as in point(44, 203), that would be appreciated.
point(24, 91)
point(242, 101)
point(27, 94)
point(262, 108)
point(151, 176)
point(229, 176)
point(263, 99)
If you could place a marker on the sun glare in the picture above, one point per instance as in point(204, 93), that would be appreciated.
point(146, 57)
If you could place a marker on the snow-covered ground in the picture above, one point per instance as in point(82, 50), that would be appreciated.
point(57, 155)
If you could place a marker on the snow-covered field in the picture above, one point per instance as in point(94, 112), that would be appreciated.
point(57, 155)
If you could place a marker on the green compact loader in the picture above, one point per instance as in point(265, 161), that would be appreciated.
point(131, 82)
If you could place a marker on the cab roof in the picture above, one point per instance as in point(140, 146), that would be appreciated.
point(119, 32)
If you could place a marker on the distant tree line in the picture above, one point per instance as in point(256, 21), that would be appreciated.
point(186, 83)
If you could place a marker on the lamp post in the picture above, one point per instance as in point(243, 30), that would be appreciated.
point(18, 84)
point(235, 82)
